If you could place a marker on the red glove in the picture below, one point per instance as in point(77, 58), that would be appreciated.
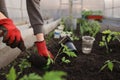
point(42, 49)
point(11, 35)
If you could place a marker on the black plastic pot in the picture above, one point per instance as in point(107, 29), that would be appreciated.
point(68, 42)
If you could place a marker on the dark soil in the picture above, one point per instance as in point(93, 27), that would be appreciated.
point(83, 67)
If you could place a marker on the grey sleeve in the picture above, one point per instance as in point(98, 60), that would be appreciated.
point(33, 8)
point(3, 8)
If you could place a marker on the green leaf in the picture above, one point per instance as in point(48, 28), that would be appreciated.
point(65, 60)
point(31, 76)
point(109, 38)
point(12, 74)
point(103, 38)
point(54, 75)
point(49, 61)
point(71, 54)
point(103, 67)
point(110, 65)
point(101, 43)
point(106, 32)
point(24, 64)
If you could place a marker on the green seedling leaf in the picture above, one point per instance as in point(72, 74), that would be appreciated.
point(54, 75)
point(103, 38)
point(71, 54)
point(24, 64)
point(101, 43)
point(109, 38)
point(110, 65)
point(49, 61)
point(31, 76)
point(106, 32)
point(12, 74)
point(65, 60)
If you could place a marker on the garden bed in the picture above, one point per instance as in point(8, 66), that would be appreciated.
point(83, 67)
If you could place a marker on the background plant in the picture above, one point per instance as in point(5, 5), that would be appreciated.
point(86, 13)
point(49, 36)
point(90, 28)
point(107, 37)
point(74, 37)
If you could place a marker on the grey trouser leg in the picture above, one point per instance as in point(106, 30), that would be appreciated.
point(3, 8)
point(33, 8)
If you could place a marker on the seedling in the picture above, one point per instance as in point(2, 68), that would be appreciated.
point(49, 62)
point(65, 50)
point(12, 75)
point(73, 37)
point(107, 38)
point(31, 76)
point(23, 64)
point(109, 64)
point(52, 75)
point(65, 60)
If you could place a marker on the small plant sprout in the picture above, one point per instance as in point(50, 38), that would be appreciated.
point(49, 61)
point(54, 75)
point(65, 60)
point(109, 64)
point(12, 75)
point(65, 50)
point(31, 76)
point(73, 37)
point(107, 38)
point(23, 64)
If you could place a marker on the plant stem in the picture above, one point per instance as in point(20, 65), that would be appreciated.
point(107, 47)
point(58, 53)
point(116, 61)
point(117, 38)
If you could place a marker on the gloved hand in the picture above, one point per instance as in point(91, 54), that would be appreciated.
point(11, 35)
point(42, 49)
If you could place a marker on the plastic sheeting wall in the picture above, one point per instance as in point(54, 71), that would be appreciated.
point(112, 8)
point(62, 9)
point(17, 8)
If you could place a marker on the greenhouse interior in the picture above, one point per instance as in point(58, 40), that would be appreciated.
point(60, 39)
